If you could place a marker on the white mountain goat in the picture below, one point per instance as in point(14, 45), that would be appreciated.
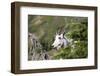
point(60, 41)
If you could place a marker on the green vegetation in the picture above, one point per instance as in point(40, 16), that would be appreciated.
point(76, 28)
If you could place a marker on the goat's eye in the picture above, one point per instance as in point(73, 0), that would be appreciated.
point(59, 37)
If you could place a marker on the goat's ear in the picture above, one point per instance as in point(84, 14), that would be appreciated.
point(61, 35)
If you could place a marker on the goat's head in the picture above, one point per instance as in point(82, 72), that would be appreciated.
point(59, 40)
